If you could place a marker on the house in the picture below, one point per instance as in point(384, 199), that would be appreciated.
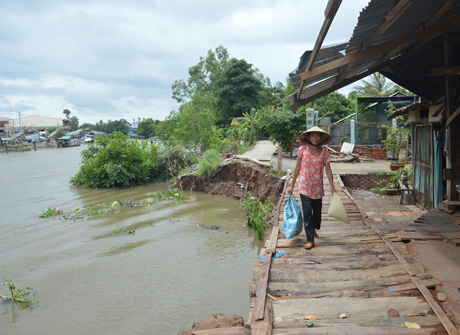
point(416, 44)
point(428, 162)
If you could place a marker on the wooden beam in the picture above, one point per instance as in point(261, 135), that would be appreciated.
point(263, 327)
point(331, 10)
point(450, 103)
point(390, 18)
point(261, 288)
point(452, 117)
point(440, 110)
point(337, 85)
point(440, 12)
point(359, 55)
point(445, 71)
point(433, 19)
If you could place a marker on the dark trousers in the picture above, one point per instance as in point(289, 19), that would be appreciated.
point(311, 209)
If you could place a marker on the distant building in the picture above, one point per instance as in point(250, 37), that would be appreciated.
point(36, 121)
point(5, 122)
point(133, 127)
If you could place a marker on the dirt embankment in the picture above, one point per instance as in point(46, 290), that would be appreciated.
point(235, 180)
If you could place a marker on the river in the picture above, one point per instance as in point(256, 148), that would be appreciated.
point(168, 274)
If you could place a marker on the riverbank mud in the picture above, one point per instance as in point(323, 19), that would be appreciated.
point(235, 180)
point(216, 321)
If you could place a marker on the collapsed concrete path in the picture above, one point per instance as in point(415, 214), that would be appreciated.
point(356, 280)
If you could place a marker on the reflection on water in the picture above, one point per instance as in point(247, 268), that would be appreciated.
point(11, 310)
point(94, 278)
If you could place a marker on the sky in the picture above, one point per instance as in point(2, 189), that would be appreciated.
point(112, 59)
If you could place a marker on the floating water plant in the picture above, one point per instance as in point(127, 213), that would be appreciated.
point(173, 194)
point(18, 294)
point(92, 210)
point(50, 212)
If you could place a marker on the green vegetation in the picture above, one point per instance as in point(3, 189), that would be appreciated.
point(257, 211)
point(396, 139)
point(390, 180)
point(18, 294)
point(72, 122)
point(147, 128)
point(207, 167)
point(334, 104)
point(238, 90)
point(108, 127)
point(284, 126)
point(104, 208)
point(173, 194)
point(278, 173)
point(50, 212)
point(123, 232)
point(116, 160)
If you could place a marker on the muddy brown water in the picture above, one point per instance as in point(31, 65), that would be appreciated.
point(159, 280)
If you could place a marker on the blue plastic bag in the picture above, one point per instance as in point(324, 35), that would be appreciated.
point(292, 224)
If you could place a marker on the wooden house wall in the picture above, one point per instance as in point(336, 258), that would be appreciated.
point(422, 163)
point(455, 129)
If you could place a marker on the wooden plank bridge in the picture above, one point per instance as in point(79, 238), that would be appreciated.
point(355, 281)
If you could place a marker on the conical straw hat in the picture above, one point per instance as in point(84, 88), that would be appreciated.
point(325, 137)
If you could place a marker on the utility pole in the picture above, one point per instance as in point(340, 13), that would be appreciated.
point(19, 119)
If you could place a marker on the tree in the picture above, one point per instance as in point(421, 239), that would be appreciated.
point(67, 113)
point(335, 103)
point(71, 122)
point(118, 125)
point(147, 127)
point(203, 76)
point(239, 89)
point(283, 125)
point(377, 85)
point(87, 126)
point(252, 118)
point(193, 125)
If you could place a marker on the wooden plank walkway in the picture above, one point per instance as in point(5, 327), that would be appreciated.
point(354, 271)
point(437, 222)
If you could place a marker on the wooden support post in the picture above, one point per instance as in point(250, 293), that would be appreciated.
point(280, 158)
point(450, 107)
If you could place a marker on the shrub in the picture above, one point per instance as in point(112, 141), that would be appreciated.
point(390, 180)
point(116, 160)
point(172, 160)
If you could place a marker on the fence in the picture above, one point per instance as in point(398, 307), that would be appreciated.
point(367, 133)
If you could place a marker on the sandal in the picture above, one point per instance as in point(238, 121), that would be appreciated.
point(309, 245)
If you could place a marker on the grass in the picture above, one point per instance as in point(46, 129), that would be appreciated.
point(208, 166)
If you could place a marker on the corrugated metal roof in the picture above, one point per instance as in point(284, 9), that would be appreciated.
point(393, 60)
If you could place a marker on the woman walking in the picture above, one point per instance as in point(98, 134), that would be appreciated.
point(311, 161)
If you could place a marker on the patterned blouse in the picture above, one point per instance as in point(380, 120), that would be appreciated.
point(311, 172)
